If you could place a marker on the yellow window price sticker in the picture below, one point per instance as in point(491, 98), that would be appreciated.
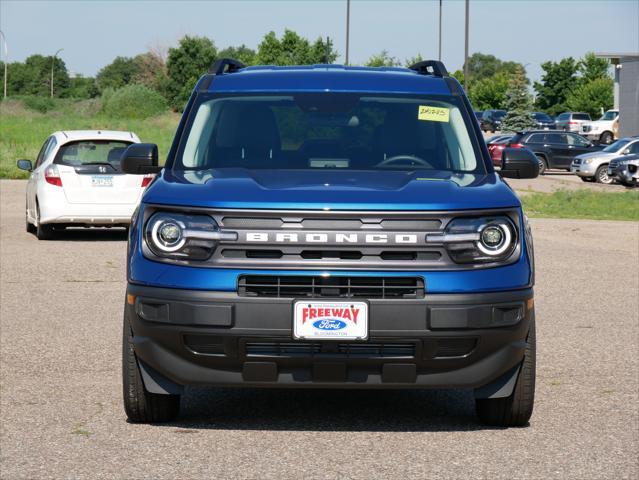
point(433, 114)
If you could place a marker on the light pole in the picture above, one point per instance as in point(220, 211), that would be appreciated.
point(348, 22)
point(466, 48)
point(6, 61)
point(52, 64)
point(440, 30)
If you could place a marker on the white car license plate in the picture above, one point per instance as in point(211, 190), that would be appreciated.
point(102, 181)
point(330, 320)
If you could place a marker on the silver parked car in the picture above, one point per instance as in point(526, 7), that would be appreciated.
point(624, 170)
point(571, 121)
point(593, 166)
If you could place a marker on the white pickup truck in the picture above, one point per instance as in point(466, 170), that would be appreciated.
point(604, 130)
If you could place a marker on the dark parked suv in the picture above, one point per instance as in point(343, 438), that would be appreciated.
point(491, 120)
point(553, 149)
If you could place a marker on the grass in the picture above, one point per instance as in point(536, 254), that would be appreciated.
point(584, 204)
point(23, 131)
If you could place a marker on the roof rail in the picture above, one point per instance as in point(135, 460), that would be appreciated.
point(430, 67)
point(225, 65)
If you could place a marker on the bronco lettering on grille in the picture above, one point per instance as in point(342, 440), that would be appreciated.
point(337, 238)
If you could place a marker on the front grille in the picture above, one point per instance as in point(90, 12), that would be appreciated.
point(333, 287)
point(333, 240)
point(342, 350)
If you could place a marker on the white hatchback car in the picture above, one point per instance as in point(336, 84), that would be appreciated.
point(77, 181)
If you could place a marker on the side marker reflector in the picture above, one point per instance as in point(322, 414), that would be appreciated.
point(130, 299)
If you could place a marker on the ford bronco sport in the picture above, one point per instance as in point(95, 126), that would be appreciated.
point(329, 226)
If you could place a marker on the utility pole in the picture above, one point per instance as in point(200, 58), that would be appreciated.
point(52, 64)
point(327, 54)
point(348, 24)
point(6, 61)
point(440, 31)
point(466, 48)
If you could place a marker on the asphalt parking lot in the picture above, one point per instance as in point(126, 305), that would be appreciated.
point(61, 412)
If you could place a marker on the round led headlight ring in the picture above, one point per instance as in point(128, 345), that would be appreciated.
point(495, 239)
point(167, 235)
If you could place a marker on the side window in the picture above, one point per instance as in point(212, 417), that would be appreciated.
point(634, 148)
point(536, 138)
point(556, 138)
point(52, 144)
point(43, 152)
point(577, 141)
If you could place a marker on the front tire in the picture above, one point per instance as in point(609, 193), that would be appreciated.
point(601, 176)
point(140, 405)
point(606, 138)
point(515, 410)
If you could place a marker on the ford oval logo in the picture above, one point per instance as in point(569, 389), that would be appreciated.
point(329, 324)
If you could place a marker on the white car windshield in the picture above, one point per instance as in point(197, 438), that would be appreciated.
point(609, 115)
point(616, 146)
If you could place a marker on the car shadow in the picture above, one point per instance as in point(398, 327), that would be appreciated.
point(327, 410)
point(91, 235)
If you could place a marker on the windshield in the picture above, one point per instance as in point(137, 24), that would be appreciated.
point(609, 115)
point(328, 130)
point(616, 146)
point(541, 117)
point(92, 152)
point(499, 114)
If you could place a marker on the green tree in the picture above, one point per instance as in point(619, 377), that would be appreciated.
point(518, 102)
point(482, 66)
point(33, 77)
point(242, 53)
point(292, 49)
point(592, 68)
point(490, 93)
point(592, 97)
point(82, 87)
point(185, 64)
point(556, 84)
point(117, 74)
point(413, 60)
point(150, 70)
point(382, 59)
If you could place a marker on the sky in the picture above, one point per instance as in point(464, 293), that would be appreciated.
point(93, 33)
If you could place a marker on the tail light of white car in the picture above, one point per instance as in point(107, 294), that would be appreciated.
point(52, 176)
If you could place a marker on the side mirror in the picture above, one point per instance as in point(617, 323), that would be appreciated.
point(140, 159)
point(519, 163)
point(625, 152)
point(25, 165)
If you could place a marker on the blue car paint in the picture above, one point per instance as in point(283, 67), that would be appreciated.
point(330, 190)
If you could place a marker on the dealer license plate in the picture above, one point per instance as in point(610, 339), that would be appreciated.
point(329, 320)
point(102, 181)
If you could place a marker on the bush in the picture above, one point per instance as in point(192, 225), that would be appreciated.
point(133, 101)
point(39, 104)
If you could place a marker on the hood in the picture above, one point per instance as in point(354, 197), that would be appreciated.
point(331, 189)
point(597, 154)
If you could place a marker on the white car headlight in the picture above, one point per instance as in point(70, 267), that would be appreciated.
point(587, 161)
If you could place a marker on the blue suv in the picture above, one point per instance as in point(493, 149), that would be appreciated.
point(329, 226)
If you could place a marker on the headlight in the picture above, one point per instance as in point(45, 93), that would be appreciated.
point(486, 239)
point(182, 236)
point(587, 161)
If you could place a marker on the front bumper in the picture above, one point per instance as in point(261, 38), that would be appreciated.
point(584, 170)
point(189, 337)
